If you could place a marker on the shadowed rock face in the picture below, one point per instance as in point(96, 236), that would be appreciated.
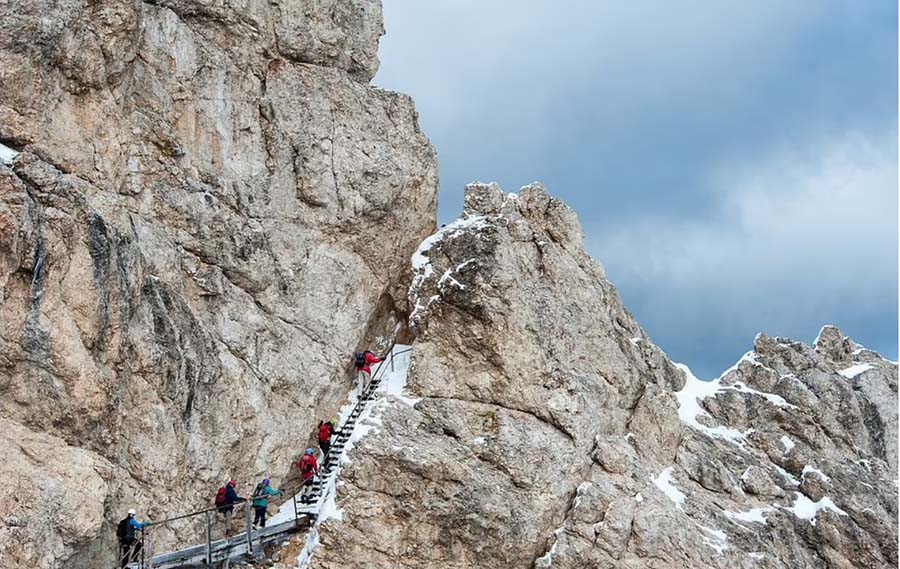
point(210, 212)
point(552, 433)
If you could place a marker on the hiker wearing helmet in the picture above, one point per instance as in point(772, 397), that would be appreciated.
point(326, 431)
point(309, 468)
point(261, 502)
point(226, 498)
point(363, 371)
point(129, 544)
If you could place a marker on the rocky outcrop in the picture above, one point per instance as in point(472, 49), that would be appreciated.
point(550, 432)
point(210, 211)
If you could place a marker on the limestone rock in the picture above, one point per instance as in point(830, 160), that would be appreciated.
point(211, 210)
point(552, 433)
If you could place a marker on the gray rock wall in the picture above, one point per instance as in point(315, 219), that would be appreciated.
point(212, 210)
point(552, 433)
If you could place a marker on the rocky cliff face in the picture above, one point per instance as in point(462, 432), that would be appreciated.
point(210, 211)
point(550, 432)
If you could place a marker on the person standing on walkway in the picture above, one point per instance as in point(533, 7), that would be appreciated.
point(363, 371)
point(261, 502)
point(326, 431)
point(226, 498)
point(129, 544)
point(309, 469)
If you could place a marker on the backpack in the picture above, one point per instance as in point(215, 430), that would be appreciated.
point(305, 464)
point(260, 491)
point(221, 496)
point(360, 360)
point(325, 433)
point(122, 530)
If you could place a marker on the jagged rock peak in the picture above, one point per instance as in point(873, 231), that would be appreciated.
point(550, 431)
point(533, 203)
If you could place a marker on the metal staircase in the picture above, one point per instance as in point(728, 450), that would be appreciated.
point(251, 541)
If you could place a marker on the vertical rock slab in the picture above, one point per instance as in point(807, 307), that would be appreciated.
point(210, 211)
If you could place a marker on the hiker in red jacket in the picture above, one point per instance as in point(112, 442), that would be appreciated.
point(326, 430)
point(364, 372)
point(309, 469)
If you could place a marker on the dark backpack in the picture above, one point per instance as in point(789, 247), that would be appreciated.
point(360, 360)
point(221, 496)
point(122, 530)
point(305, 464)
point(260, 491)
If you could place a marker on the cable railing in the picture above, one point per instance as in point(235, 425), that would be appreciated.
point(241, 542)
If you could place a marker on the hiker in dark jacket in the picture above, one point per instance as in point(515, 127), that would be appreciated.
point(227, 509)
point(129, 544)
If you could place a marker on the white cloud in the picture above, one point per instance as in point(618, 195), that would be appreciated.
point(803, 232)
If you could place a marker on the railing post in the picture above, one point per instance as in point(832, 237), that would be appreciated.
point(295, 508)
point(209, 519)
point(249, 527)
point(391, 355)
point(142, 548)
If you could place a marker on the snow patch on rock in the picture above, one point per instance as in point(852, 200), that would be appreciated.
point(7, 155)
point(806, 509)
point(787, 443)
point(754, 515)
point(664, 483)
point(855, 370)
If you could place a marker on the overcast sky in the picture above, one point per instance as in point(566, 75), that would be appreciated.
point(734, 163)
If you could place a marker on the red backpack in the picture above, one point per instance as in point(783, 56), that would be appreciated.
point(220, 496)
point(324, 432)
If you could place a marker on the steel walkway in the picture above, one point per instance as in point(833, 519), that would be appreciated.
point(250, 541)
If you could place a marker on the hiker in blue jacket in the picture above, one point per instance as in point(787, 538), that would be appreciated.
point(261, 501)
point(129, 544)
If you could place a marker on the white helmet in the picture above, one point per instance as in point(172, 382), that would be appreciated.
point(131, 512)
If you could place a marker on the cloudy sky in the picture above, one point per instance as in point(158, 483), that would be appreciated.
point(734, 163)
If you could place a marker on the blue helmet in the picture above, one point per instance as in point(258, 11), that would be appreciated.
point(265, 482)
point(310, 451)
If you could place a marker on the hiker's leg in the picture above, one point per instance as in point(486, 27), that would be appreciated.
point(325, 446)
point(262, 517)
point(227, 524)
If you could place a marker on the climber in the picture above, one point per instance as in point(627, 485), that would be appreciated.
point(326, 431)
point(129, 544)
point(226, 498)
point(309, 468)
point(364, 372)
point(261, 502)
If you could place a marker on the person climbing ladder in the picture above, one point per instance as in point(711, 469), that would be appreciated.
point(309, 469)
point(363, 371)
point(326, 431)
